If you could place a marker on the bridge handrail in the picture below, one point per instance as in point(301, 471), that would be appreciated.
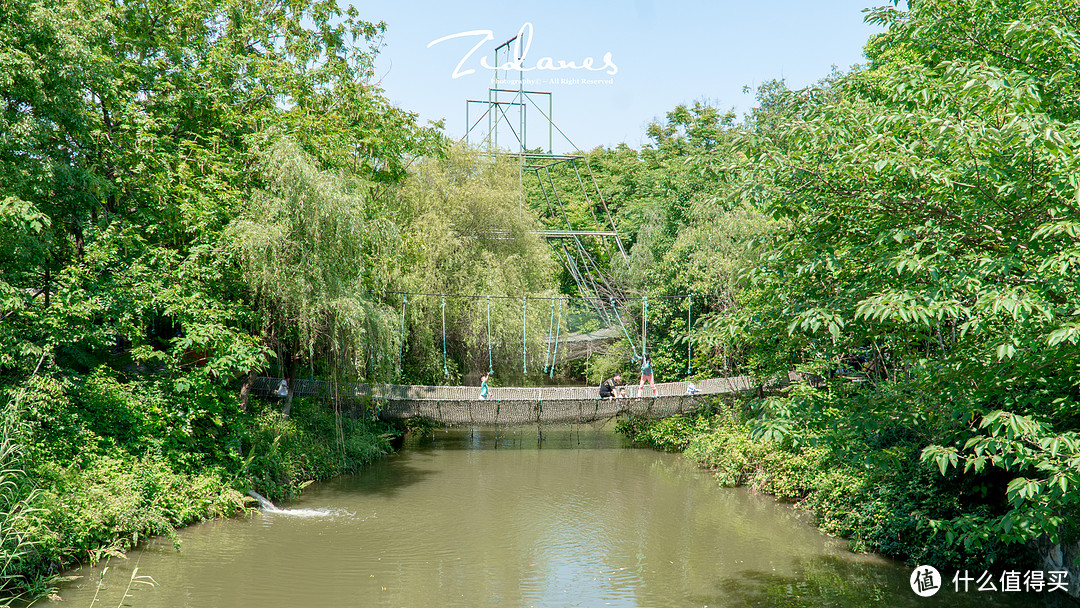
point(414, 392)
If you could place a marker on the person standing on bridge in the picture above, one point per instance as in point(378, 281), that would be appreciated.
point(607, 387)
point(483, 387)
point(646, 376)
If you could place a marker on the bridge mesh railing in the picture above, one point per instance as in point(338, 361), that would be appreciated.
point(516, 405)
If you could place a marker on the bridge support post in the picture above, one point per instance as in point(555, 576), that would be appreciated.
point(539, 424)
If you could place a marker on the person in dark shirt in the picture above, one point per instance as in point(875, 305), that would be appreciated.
point(607, 387)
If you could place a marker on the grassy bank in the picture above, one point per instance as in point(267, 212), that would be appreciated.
point(865, 484)
point(89, 468)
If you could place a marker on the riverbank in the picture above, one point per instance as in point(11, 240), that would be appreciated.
point(489, 517)
point(94, 487)
point(870, 488)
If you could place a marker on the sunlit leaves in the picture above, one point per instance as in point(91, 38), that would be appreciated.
point(1046, 463)
point(943, 457)
point(303, 245)
point(931, 203)
point(1068, 333)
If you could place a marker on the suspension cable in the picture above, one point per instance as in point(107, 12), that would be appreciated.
point(446, 371)
point(401, 337)
point(547, 349)
point(625, 333)
point(555, 353)
point(491, 369)
point(689, 306)
point(644, 318)
point(523, 323)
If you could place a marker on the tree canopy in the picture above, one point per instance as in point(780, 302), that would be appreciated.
point(194, 193)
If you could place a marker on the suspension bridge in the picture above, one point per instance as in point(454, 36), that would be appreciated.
point(594, 279)
point(461, 405)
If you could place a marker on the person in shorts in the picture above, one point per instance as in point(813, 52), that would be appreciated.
point(646, 376)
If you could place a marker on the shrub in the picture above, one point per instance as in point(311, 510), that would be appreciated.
point(736, 459)
point(868, 485)
point(109, 503)
point(313, 443)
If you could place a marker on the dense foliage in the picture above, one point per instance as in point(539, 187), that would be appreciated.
point(682, 235)
point(193, 194)
point(932, 203)
point(921, 269)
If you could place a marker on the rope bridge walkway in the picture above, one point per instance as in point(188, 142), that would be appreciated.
point(509, 405)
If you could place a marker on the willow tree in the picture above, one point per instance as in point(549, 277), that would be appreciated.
point(468, 231)
point(306, 242)
point(128, 137)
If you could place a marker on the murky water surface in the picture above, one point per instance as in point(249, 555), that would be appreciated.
point(478, 519)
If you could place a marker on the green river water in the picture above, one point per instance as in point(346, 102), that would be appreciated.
point(479, 519)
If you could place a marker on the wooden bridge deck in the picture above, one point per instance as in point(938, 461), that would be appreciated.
point(516, 405)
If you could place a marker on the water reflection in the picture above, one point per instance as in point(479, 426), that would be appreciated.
point(843, 581)
point(597, 435)
point(492, 518)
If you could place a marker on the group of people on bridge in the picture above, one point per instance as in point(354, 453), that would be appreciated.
point(607, 387)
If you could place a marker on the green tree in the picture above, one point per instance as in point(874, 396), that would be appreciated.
point(465, 230)
point(929, 240)
point(132, 135)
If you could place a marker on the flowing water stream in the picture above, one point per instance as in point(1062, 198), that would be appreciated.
point(486, 519)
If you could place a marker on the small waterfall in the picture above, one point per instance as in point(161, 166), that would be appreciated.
point(268, 507)
point(264, 502)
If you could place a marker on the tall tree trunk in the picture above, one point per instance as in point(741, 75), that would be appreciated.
point(245, 389)
point(290, 375)
point(288, 401)
point(77, 232)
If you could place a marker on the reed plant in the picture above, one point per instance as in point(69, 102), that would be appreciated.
point(16, 513)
